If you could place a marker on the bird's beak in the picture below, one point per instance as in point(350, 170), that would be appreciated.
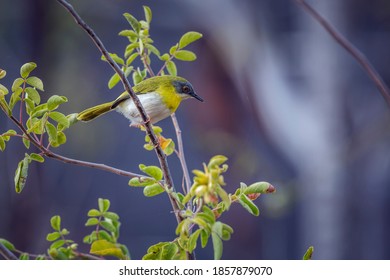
point(193, 94)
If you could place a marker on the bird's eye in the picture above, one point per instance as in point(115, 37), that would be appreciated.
point(186, 89)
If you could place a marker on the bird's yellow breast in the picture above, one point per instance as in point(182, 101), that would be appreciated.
point(169, 96)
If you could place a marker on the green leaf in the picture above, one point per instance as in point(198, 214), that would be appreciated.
point(224, 196)
point(114, 80)
point(104, 205)
point(61, 139)
point(17, 83)
point(153, 49)
point(131, 58)
point(309, 253)
point(216, 161)
point(33, 94)
point(193, 239)
point(3, 89)
point(26, 142)
point(133, 22)
point(148, 14)
point(153, 190)
point(37, 157)
point(6, 135)
point(152, 171)
point(57, 244)
point(92, 222)
point(141, 182)
point(105, 235)
point(55, 222)
point(171, 67)
point(53, 236)
point(24, 257)
point(35, 82)
point(108, 226)
point(188, 38)
point(128, 33)
point(185, 55)
point(54, 101)
point(164, 57)
point(59, 118)
point(106, 248)
point(204, 237)
point(259, 187)
point(26, 69)
point(2, 73)
point(217, 246)
point(111, 215)
point(52, 132)
point(114, 57)
point(93, 213)
point(169, 251)
point(21, 174)
point(248, 205)
point(4, 105)
point(7, 244)
point(2, 143)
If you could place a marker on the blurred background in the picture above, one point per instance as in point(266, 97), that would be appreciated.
point(283, 101)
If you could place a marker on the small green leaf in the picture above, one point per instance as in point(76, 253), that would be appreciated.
point(309, 253)
point(164, 57)
point(173, 49)
point(35, 82)
point(133, 22)
point(188, 38)
point(108, 226)
point(153, 49)
point(185, 55)
point(131, 58)
point(128, 33)
point(153, 190)
point(3, 89)
point(2, 143)
point(57, 244)
point(26, 69)
point(24, 257)
point(7, 244)
point(204, 237)
point(111, 215)
point(148, 14)
point(33, 94)
point(106, 248)
point(17, 83)
point(217, 245)
point(55, 222)
point(92, 222)
point(93, 213)
point(248, 205)
point(141, 181)
point(114, 80)
point(54, 101)
point(105, 235)
point(224, 196)
point(171, 67)
point(259, 187)
point(169, 251)
point(216, 161)
point(37, 157)
point(26, 142)
point(21, 174)
point(152, 171)
point(193, 239)
point(104, 205)
point(53, 236)
point(59, 118)
point(2, 73)
point(52, 132)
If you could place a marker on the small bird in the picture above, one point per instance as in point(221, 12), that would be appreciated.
point(160, 96)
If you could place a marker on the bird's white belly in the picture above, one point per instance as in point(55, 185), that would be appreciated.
point(153, 105)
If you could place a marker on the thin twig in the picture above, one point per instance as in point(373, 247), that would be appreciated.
point(7, 254)
point(350, 48)
point(160, 153)
point(50, 154)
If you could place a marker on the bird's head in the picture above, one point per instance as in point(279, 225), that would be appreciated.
point(184, 88)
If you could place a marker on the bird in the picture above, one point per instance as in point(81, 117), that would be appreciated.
point(160, 96)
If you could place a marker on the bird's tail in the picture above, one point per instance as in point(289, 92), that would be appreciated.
point(94, 112)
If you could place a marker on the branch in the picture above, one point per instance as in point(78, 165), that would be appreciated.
point(350, 48)
point(160, 153)
point(50, 154)
point(7, 254)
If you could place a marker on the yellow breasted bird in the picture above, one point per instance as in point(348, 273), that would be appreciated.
point(160, 96)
